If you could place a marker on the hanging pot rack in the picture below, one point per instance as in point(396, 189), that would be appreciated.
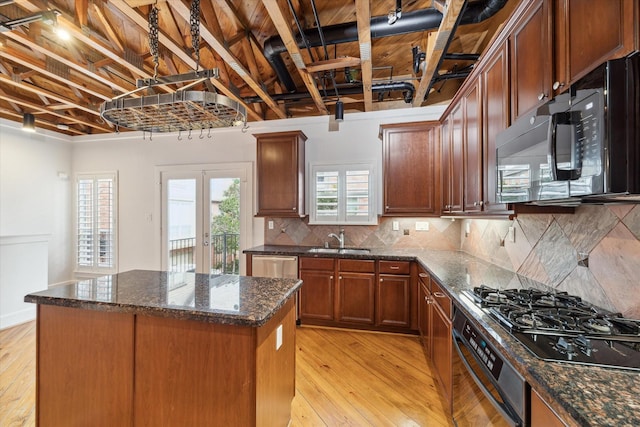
point(182, 110)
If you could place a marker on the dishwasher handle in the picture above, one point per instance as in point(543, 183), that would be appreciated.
point(504, 409)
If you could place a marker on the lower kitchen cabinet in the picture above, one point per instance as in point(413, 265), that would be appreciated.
point(356, 291)
point(541, 414)
point(441, 349)
point(424, 310)
point(316, 301)
point(394, 294)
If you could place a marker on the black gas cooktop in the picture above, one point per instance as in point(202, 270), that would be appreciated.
point(561, 327)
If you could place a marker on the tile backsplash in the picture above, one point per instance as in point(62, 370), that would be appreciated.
point(593, 253)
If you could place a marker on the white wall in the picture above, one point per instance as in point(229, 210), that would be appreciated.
point(138, 160)
point(35, 213)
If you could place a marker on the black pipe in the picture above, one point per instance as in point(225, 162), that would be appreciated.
point(405, 87)
point(419, 20)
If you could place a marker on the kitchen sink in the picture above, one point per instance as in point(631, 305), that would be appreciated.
point(348, 251)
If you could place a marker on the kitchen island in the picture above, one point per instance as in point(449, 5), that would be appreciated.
point(151, 348)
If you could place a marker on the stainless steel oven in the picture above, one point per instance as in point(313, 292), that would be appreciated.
point(487, 390)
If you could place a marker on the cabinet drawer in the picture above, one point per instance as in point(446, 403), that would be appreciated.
point(357, 265)
point(395, 267)
point(441, 298)
point(308, 263)
point(424, 279)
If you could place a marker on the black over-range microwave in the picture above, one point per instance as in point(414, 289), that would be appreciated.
point(582, 146)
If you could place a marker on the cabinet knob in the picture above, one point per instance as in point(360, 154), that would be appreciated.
point(475, 203)
point(381, 280)
point(481, 203)
point(542, 96)
point(331, 277)
point(558, 85)
point(294, 208)
point(339, 277)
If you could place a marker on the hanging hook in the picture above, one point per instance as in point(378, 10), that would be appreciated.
point(150, 135)
point(244, 128)
point(180, 135)
point(209, 134)
point(189, 137)
point(143, 136)
point(201, 133)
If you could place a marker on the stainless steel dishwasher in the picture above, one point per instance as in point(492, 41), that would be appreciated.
point(276, 266)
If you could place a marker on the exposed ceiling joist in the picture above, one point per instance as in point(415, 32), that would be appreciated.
point(437, 50)
point(281, 24)
point(230, 59)
point(179, 52)
point(363, 18)
point(332, 64)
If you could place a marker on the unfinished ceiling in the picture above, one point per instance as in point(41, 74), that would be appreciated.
point(371, 55)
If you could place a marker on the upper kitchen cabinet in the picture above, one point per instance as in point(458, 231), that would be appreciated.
point(531, 49)
point(472, 142)
point(495, 118)
point(453, 160)
point(590, 32)
point(411, 155)
point(280, 166)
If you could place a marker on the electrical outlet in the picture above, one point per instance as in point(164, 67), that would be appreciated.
point(422, 226)
point(406, 231)
point(396, 225)
point(278, 337)
point(512, 234)
point(270, 225)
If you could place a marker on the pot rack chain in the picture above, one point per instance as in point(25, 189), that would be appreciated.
point(153, 39)
point(194, 22)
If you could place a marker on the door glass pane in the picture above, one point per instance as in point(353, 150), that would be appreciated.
point(224, 226)
point(181, 227)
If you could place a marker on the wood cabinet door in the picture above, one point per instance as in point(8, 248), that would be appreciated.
point(473, 198)
point(456, 178)
point(393, 301)
point(442, 350)
point(424, 308)
point(356, 293)
point(445, 167)
point(317, 295)
point(495, 113)
point(280, 170)
point(531, 59)
point(541, 414)
point(411, 168)
point(588, 33)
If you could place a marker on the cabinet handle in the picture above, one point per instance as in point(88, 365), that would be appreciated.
point(331, 277)
point(542, 96)
point(381, 280)
point(423, 275)
point(558, 85)
point(439, 295)
point(339, 277)
point(475, 203)
point(481, 203)
point(294, 208)
point(426, 299)
point(394, 267)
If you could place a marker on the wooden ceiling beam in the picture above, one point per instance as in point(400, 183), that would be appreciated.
point(231, 11)
point(98, 9)
point(363, 18)
point(39, 108)
point(179, 52)
point(217, 45)
point(39, 91)
point(333, 64)
point(40, 67)
point(437, 50)
point(282, 26)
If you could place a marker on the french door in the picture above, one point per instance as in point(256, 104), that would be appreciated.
point(206, 219)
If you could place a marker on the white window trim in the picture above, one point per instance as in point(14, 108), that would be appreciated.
point(342, 168)
point(85, 271)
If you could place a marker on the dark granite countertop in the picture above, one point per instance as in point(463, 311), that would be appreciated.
point(225, 299)
point(581, 395)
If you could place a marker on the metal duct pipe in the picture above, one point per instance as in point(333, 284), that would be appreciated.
point(419, 20)
point(405, 87)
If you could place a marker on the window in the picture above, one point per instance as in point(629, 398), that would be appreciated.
point(342, 194)
point(96, 223)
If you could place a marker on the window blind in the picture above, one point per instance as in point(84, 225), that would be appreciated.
point(96, 222)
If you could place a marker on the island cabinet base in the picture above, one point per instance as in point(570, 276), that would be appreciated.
point(116, 369)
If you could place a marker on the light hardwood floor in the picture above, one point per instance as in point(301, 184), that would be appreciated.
point(343, 378)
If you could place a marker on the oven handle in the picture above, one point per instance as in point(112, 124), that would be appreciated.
point(503, 409)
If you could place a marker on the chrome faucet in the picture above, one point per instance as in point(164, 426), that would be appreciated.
point(340, 238)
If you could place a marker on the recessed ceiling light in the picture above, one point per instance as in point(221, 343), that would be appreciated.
point(62, 33)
